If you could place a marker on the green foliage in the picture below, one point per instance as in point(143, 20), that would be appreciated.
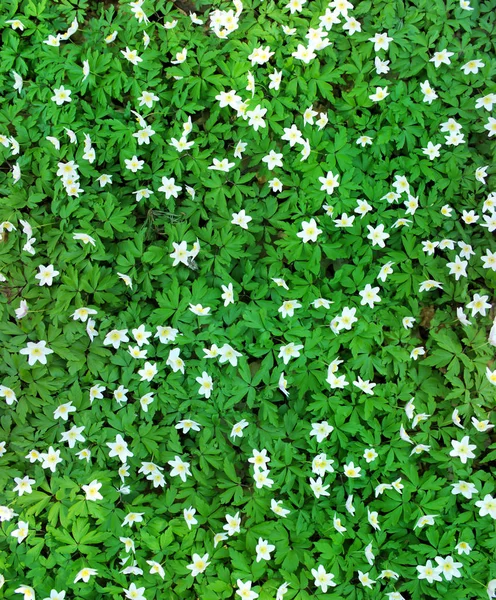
point(165, 238)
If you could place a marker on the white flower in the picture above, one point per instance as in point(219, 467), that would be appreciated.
point(115, 337)
point(237, 430)
point(373, 519)
point(363, 140)
point(23, 484)
point(369, 295)
point(377, 235)
point(179, 467)
point(442, 57)
point(416, 352)
point(275, 80)
point(486, 102)
point(322, 121)
point(22, 311)
point(309, 232)
point(472, 66)
point(130, 55)
point(275, 506)
point(462, 317)
point(381, 66)
point(369, 555)
point(147, 99)
point(36, 352)
point(119, 448)
point(292, 135)
point(141, 335)
point(323, 579)
point(347, 318)
point(385, 271)
point(344, 220)
point(206, 384)
point(329, 182)
point(18, 82)
point(263, 549)
point(262, 479)
point(430, 284)
point(255, 117)
point(166, 334)
point(370, 455)
point(260, 56)
point(46, 275)
point(463, 548)
point(429, 93)
point(351, 471)
point(16, 172)
point(96, 392)
point(180, 57)
point(145, 401)
point(143, 136)
point(170, 24)
point(221, 165)
point(479, 305)
point(63, 411)
point(241, 219)
point(180, 254)
point(380, 94)
point(349, 505)
point(92, 491)
point(448, 567)
point(464, 488)
point(82, 314)
point(336, 522)
point(487, 506)
point(16, 24)
point(432, 150)
point(21, 533)
point(174, 361)
point(322, 465)
point(273, 159)
point(182, 144)
point(73, 435)
point(365, 386)
point(199, 564)
point(304, 54)
point(239, 149)
point(50, 459)
point(86, 69)
point(425, 520)
point(199, 310)
point(321, 430)
point(8, 394)
point(318, 302)
point(289, 351)
point(365, 579)
point(463, 449)
point(134, 164)
point(228, 354)
point(227, 294)
point(61, 95)
point(351, 25)
point(148, 372)
point(156, 568)
point(85, 238)
point(189, 516)
point(458, 268)
point(288, 307)
point(244, 590)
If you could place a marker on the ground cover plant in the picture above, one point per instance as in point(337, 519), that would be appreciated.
point(247, 270)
